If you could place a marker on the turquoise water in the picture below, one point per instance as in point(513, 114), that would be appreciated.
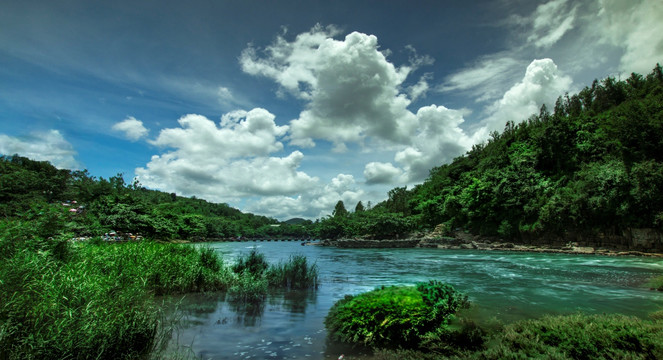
point(507, 286)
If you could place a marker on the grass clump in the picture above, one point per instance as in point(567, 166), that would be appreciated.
point(253, 263)
point(255, 276)
point(395, 316)
point(296, 273)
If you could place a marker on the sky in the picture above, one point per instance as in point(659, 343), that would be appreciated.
point(283, 108)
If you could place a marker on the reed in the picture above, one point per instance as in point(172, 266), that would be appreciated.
point(296, 273)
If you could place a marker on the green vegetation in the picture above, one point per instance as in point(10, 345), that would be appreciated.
point(296, 273)
point(656, 283)
point(593, 165)
point(89, 300)
point(579, 337)
point(98, 206)
point(253, 263)
point(396, 316)
point(61, 299)
point(430, 321)
point(558, 337)
point(258, 276)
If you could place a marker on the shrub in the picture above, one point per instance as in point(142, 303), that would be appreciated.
point(396, 316)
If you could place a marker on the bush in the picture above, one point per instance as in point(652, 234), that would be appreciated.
point(396, 316)
point(294, 274)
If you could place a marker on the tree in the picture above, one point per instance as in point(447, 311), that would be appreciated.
point(359, 208)
point(339, 210)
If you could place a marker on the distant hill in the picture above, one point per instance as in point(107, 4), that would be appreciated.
point(295, 221)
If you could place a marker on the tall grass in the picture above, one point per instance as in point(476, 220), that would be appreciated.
point(91, 301)
point(293, 274)
point(253, 263)
point(255, 276)
point(63, 300)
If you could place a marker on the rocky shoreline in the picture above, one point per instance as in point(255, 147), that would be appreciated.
point(462, 240)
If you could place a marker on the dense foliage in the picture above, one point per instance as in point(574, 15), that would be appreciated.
point(395, 316)
point(595, 164)
point(98, 206)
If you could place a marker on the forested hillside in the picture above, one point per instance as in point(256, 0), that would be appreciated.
point(83, 205)
point(593, 164)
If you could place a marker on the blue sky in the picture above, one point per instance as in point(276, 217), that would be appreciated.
point(282, 108)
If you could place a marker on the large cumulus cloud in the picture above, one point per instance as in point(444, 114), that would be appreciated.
point(225, 161)
point(351, 88)
point(542, 84)
point(438, 140)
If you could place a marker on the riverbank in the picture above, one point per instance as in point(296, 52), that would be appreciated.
point(462, 240)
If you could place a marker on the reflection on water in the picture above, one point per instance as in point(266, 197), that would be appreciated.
point(506, 286)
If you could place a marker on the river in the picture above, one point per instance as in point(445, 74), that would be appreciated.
point(506, 286)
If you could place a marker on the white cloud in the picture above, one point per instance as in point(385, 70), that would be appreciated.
point(133, 129)
point(225, 162)
point(225, 96)
point(438, 141)
point(636, 27)
point(317, 202)
point(241, 133)
point(550, 22)
point(420, 88)
point(381, 173)
point(43, 146)
point(542, 84)
point(351, 88)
